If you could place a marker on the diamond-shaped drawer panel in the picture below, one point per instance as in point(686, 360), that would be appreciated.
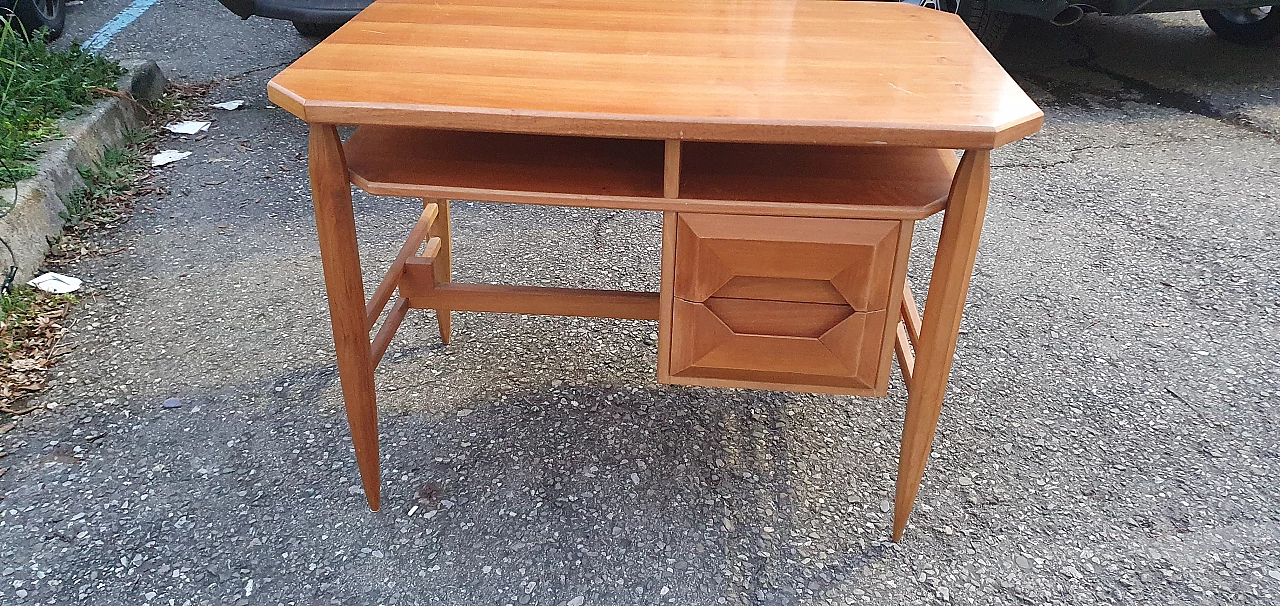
point(835, 348)
point(783, 302)
point(813, 260)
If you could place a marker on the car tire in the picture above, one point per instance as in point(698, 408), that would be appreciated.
point(1244, 26)
point(315, 30)
point(36, 14)
point(988, 24)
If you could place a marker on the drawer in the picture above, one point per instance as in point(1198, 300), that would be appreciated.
point(843, 261)
point(776, 342)
point(790, 303)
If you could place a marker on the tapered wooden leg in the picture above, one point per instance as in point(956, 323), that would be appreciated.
point(444, 263)
point(340, 254)
point(948, 288)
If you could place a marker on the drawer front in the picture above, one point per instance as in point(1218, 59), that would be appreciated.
point(780, 343)
point(812, 260)
point(787, 303)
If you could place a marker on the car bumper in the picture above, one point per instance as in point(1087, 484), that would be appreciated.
point(1047, 9)
point(307, 11)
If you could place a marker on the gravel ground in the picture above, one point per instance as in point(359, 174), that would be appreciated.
point(1110, 435)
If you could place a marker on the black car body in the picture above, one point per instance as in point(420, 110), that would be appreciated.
point(1241, 21)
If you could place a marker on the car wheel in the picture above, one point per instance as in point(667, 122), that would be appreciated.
point(315, 30)
point(36, 14)
point(988, 24)
point(1244, 25)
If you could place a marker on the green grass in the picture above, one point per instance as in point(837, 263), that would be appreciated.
point(38, 85)
point(107, 189)
point(24, 306)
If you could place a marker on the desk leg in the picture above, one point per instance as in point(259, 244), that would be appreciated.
point(440, 228)
point(940, 328)
point(340, 254)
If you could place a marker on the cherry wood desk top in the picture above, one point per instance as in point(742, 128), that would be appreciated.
point(759, 71)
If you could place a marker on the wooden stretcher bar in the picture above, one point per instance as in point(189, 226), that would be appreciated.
point(908, 334)
point(382, 295)
point(417, 284)
point(388, 329)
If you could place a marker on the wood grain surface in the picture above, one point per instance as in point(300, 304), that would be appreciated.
point(880, 182)
point(781, 71)
point(801, 259)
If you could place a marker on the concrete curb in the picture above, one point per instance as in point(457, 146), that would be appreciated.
point(34, 218)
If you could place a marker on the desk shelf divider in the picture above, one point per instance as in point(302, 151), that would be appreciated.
point(671, 169)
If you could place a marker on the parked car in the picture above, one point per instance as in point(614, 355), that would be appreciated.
point(35, 14)
point(312, 18)
point(1233, 20)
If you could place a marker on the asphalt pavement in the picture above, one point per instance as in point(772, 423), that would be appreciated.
point(1110, 435)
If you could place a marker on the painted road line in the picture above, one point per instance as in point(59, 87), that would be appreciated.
point(103, 36)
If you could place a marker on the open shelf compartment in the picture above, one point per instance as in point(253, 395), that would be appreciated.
point(870, 182)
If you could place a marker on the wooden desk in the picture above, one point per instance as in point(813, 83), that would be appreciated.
point(790, 146)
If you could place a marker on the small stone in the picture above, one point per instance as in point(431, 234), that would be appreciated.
point(1022, 562)
point(375, 553)
point(462, 412)
point(171, 403)
point(635, 479)
point(577, 601)
point(885, 506)
point(964, 481)
point(22, 593)
point(664, 591)
point(1275, 574)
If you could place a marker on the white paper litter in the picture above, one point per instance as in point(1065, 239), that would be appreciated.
point(229, 105)
point(189, 127)
point(57, 284)
point(168, 156)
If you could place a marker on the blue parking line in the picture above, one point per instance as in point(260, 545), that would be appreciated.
point(103, 36)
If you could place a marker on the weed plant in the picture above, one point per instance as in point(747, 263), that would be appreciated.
point(108, 187)
point(40, 83)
